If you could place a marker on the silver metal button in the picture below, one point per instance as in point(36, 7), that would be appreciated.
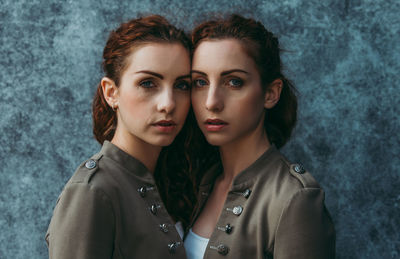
point(173, 246)
point(237, 210)
point(228, 228)
point(154, 208)
point(247, 193)
point(298, 169)
point(164, 228)
point(142, 191)
point(90, 164)
point(223, 249)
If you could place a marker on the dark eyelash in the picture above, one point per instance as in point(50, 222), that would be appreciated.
point(240, 82)
point(187, 85)
point(144, 82)
point(197, 80)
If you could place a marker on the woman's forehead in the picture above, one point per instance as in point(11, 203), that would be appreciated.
point(224, 54)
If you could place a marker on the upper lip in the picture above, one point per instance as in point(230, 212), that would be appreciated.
point(215, 121)
point(165, 123)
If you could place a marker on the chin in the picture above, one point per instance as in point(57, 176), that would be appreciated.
point(162, 141)
point(216, 140)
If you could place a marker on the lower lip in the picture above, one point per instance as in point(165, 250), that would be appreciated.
point(165, 129)
point(215, 127)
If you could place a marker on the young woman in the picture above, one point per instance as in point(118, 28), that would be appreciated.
point(255, 204)
point(112, 207)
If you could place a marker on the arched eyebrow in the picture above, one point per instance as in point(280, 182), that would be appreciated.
point(159, 75)
point(224, 73)
point(183, 77)
point(233, 71)
point(198, 72)
point(150, 73)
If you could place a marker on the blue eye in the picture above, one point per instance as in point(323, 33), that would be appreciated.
point(199, 83)
point(184, 86)
point(235, 83)
point(147, 84)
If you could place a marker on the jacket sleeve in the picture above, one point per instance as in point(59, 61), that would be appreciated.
point(82, 225)
point(305, 229)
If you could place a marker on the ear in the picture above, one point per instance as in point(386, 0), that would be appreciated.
point(110, 92)
point(273, 93)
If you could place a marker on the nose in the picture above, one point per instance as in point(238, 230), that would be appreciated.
point(214, 100)
point(166, 101)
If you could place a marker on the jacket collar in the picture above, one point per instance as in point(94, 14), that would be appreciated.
point(247, 176)
point(123, 159)
point(250, 173)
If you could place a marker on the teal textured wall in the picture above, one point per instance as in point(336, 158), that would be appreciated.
point(342, 55)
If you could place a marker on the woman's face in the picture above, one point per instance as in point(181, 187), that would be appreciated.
point(153, 98)
point(227, 96)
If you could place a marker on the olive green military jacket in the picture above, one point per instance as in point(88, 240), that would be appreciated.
point(110, 208)
point(274, 210)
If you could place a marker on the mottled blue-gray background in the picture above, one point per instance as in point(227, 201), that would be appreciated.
point(342, 55)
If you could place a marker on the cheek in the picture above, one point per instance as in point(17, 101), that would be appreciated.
point(198, 100)
point(250, 107)
point(134, 105)
point(183, 104)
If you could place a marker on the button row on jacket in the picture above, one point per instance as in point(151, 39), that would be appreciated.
point(164, 227)
point(237, 210)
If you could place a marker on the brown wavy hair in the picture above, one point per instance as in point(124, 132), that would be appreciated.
point(120, 44)
point(261, 45)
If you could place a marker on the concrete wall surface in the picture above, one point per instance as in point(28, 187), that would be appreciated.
point(343, 57)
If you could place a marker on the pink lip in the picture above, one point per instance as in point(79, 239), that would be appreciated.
point(215, 124)
point(165, 125)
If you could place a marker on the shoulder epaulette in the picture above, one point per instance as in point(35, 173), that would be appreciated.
point(306, 179)
point(87, 169)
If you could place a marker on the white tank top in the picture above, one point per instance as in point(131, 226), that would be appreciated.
point(195, 245)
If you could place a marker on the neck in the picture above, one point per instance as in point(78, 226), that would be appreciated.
point(240, 154)
point(142, 151)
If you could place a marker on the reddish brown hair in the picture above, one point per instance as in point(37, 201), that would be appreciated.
point(120, 44)
point(171, 174)
point(263, 47)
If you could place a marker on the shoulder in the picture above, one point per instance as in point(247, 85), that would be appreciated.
point(295, 174)
point(284, 178)
point(86, 170)
point(302, 175)
point(86, 186)
point(92, 175)
point(86, 204)
point(304, 224)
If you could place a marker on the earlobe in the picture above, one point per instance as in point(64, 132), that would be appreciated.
point(110, 92)
point(273, 93)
